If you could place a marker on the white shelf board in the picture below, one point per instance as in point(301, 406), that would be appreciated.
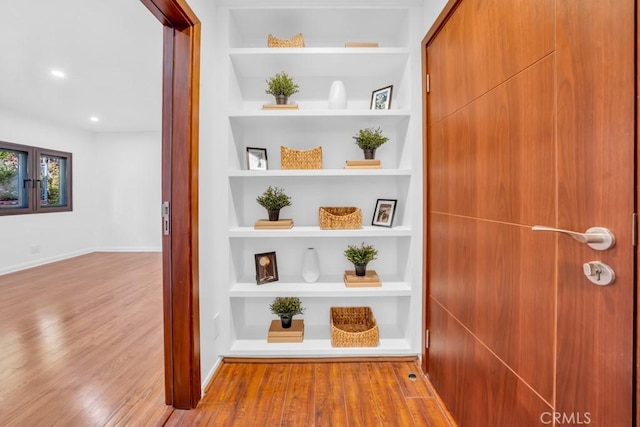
point(318, 119)
point(315, 231)
point(319, 113)
point(320, 61)
point(317, 342)
point(317, 348)
point(318, 172)
point(325, 287)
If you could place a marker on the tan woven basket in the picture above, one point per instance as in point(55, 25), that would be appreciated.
point(295, 41)
point(340, 218)
point(353, 327)
point(300, 159)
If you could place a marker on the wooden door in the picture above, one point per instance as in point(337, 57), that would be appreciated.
point(530, 119)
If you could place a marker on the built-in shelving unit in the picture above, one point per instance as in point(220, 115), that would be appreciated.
point(397, 304)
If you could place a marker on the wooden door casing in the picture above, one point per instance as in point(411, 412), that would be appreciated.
point(514, 325)
point(180, 108)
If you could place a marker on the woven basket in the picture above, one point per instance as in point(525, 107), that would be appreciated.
point(295, 41)
point(353, 327)
point(340, 218)
point(300, 159)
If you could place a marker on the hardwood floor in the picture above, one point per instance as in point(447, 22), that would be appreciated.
point(81, 345)
point(318, 394)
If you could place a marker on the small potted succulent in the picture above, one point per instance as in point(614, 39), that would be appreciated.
point(368, 140)
point(360, 256)
point(282, 86)
point(286, 308)
point(274, 199)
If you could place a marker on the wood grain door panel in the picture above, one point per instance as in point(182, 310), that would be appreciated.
point(497, 280)
point(531, 122)
point(495, 158)
point(596, 125)
point(483, 391)
point(485, 43)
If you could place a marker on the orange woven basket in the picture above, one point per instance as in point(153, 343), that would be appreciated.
point(340, 218)
point(295, 41)
point(353, 327)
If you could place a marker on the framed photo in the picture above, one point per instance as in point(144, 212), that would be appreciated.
point(266, 268)
point(381, 98)
point(384, 212)
point(256, 158)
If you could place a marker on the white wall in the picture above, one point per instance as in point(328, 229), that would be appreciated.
point(432, 9)
point(116, 195)
point(127, 171)
point(28, 240)
point(211, 188)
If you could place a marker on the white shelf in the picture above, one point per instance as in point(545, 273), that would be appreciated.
point(247, 63)
point(317, 342)
point(319, 62)
point(317, 348)
point(317, 172)
point(389, 115)
point(315, 231)
point(323, 288)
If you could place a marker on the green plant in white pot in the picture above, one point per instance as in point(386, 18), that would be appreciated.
point(282, 86)
point(273, 199)
point(286, 308)
point(360, 256)
point(369, 139)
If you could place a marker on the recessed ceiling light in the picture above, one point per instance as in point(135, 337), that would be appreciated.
point(58, 73)
point(94, 119)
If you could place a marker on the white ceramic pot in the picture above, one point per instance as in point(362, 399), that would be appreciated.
point(310, 266)
point(337, 96)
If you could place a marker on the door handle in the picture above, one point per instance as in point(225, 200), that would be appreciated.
point(598, 238)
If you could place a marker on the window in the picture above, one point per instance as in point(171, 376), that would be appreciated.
point(34, 180)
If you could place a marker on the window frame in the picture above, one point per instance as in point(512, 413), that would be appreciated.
point(33, 176)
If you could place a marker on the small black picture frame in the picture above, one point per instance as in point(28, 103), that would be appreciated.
point(256, 158)
point(266, 268)
point(381, 98)
point(384, 212)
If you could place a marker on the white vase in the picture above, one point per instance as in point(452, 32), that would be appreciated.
point(310, 266)
point(337, 96)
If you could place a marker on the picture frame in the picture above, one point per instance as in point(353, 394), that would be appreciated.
point(266, 268)
point(384, 212)
point(381, 98)
point(257, 158)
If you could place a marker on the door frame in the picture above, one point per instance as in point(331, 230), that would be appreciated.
point(180, 122)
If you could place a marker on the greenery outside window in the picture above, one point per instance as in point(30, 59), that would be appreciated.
point(34, 180)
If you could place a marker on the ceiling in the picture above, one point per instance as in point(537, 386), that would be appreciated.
point(111, 52)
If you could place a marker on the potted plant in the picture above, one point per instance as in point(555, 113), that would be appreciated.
point(360, 256)
point(369, 139)
point(274, 199)
point(286, 308)
point(282, 86)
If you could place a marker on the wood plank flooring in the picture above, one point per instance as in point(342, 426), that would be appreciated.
point(81, 345)
point(308, 394)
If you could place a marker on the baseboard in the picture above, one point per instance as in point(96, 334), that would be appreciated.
point(43, 261)
point(49, 260)
point(210, 375)
point(129, 249)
